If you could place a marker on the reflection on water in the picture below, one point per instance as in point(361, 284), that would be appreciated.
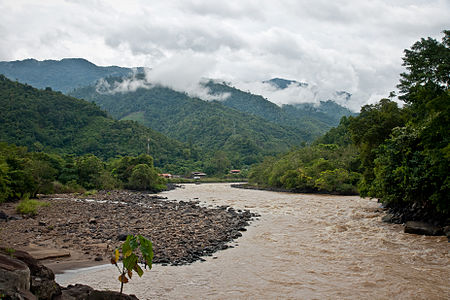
point(302, 247)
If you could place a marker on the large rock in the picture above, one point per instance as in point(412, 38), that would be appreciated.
point(14, 278)
point(84, 292)
point(422, 228)
point(41, 281)
point(75, 292)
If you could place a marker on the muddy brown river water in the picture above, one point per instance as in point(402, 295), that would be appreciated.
point(302, 247)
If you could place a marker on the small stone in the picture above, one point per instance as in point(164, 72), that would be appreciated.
point(122, 236)
point(3, 216)
point(98, 258)
point(42, 223)
point(92, 221)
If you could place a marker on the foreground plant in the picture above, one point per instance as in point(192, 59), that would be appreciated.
point(130, 257)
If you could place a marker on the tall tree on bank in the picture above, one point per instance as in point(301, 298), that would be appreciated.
point(412, 167)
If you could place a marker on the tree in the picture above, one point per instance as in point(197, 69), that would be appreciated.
point(89, 169)
point(428, 66)
point(143, 178)
point(5, 189)
point(412, 167)
point(369, 130)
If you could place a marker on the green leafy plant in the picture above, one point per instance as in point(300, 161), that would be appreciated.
point(130, 257)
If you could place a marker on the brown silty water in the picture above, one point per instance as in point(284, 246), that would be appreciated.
point(303, 246)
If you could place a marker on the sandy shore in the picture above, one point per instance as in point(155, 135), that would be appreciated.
point(77, 231)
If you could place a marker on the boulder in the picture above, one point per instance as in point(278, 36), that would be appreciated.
point(84, 292)
point(76, 292)
point(43, 283)
point(109, 295)
point(14, 278)
point(422, 228)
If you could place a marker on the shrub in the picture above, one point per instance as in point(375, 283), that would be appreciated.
point(70, 187)
point(30, 206)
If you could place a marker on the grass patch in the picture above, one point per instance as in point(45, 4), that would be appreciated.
point(30, 206)
point(90, 193)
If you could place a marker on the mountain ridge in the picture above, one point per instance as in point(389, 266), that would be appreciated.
point(45, 120)
point(61, 75)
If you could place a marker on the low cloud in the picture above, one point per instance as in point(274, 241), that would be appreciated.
point(184, 73)
point(295, 93)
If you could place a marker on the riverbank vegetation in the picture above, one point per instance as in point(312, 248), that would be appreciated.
point(24, 174)
point(399, 155)
point(318, 168)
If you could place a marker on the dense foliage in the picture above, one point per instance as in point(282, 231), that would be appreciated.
point(412, 166)
point(24, 173)
point(319, 168)
point(49, 121)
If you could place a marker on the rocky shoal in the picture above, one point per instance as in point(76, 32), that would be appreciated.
point(94, 225)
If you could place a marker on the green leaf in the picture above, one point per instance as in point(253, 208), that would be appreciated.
point(138, 270)
point(146, 250)
point(126, 248)
point(130, 261)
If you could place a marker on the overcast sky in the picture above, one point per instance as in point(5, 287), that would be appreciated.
point(354, 46)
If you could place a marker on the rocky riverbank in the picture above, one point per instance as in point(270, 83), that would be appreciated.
point(89, 228)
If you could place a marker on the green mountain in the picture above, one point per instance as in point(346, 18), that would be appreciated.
point(65, 75)
point(245, 126)
point(208, 125)
point(61, 75)
point(309, 121)
point(50, 121)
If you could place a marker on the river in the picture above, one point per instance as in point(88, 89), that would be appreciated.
point(304, 246)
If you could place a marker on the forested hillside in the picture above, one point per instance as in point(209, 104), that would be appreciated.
point(63, 75)
point(209, 125)
point(50, 121)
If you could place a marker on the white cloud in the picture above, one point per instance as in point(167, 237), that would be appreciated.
point(336, 45)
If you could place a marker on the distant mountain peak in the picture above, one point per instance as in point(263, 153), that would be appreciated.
point(281, 83)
